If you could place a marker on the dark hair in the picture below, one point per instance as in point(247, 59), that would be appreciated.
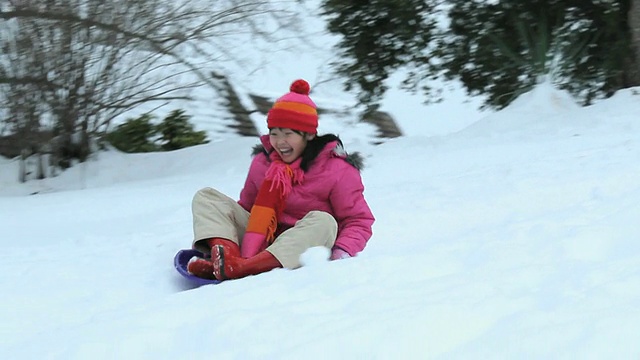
point(314, 147)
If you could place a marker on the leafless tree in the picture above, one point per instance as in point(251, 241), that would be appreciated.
point(69, 67)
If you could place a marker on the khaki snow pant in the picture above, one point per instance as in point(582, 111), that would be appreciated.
point(217, 215)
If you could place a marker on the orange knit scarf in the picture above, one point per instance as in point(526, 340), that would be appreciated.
point(272, 195)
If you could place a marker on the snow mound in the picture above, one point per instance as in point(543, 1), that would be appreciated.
point(543, 111)
point(544, 99)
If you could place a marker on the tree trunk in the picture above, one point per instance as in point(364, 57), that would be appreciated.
point(634, 31)
point(22, 170)
point(40, 173)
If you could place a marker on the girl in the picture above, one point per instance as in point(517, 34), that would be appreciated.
point(302, 191)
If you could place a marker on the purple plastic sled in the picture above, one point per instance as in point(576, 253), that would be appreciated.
point(181, 260)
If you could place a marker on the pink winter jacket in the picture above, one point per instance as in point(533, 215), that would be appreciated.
point(331, 184)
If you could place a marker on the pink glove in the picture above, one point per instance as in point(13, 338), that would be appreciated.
point(252, 244)
point(338, 254)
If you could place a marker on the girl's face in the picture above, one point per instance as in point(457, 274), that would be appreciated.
point(288, 143)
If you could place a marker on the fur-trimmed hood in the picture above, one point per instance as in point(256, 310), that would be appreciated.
point(329, 144)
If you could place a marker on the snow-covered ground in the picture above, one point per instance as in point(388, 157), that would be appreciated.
point(515, 237)
point(505, 235)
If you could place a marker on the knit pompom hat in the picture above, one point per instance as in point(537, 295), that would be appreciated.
point(295, 110)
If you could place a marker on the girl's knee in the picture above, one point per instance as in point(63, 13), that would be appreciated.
point(207, 193)
point(322, 217)
point(202, 192)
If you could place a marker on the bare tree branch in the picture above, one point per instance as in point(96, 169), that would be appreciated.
point(68, 68)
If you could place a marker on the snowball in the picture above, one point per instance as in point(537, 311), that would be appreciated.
point(315, 255)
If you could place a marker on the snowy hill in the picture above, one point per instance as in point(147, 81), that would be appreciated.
point(514, 237)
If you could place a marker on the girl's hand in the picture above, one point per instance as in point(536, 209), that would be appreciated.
point(338, 254)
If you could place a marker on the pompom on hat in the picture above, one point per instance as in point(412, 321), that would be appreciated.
point(295, 110)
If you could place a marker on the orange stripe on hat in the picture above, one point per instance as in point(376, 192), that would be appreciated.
point(295, 106)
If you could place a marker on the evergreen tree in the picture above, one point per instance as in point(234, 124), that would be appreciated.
point(500, 49)
point(177, 132)
point(141, 135)
point(634, 28)
point(135, 135)
point(379, 36)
